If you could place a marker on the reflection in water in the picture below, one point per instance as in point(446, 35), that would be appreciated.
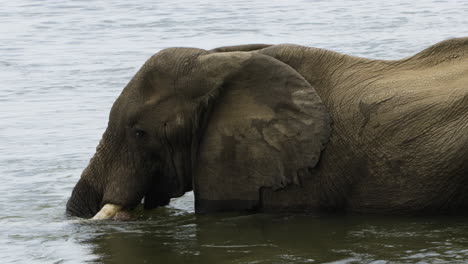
point(170, 239)
point(165, 235)
point(170, 236)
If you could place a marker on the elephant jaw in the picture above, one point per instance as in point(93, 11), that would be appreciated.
point(114, 212)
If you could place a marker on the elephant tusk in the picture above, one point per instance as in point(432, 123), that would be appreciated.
point(108, 211)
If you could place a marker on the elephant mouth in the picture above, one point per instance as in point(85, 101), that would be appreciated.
point(159, 192)
point(115, 212)
point(111, 211)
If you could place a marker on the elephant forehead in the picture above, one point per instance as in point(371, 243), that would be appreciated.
point(167, 73)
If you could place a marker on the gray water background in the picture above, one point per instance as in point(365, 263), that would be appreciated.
point(63, 63)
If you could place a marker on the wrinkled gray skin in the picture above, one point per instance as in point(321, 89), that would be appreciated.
point(287, 128)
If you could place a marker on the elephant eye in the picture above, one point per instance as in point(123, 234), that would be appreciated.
point(139, 133)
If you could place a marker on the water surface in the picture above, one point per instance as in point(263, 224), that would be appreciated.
point(63, 63)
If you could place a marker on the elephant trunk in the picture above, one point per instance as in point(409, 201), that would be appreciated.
point(85, 200)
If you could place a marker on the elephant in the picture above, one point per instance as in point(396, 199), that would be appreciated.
point(286, 128)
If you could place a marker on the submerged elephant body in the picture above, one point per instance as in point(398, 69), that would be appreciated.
point(287, 128)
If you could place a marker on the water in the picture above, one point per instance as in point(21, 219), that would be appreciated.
point(62, 65)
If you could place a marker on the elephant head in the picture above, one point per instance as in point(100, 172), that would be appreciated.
point(224, 123)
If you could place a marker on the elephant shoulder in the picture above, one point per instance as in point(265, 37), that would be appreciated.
point(450, 50)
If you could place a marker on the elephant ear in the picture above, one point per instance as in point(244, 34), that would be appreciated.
point(266, 128)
